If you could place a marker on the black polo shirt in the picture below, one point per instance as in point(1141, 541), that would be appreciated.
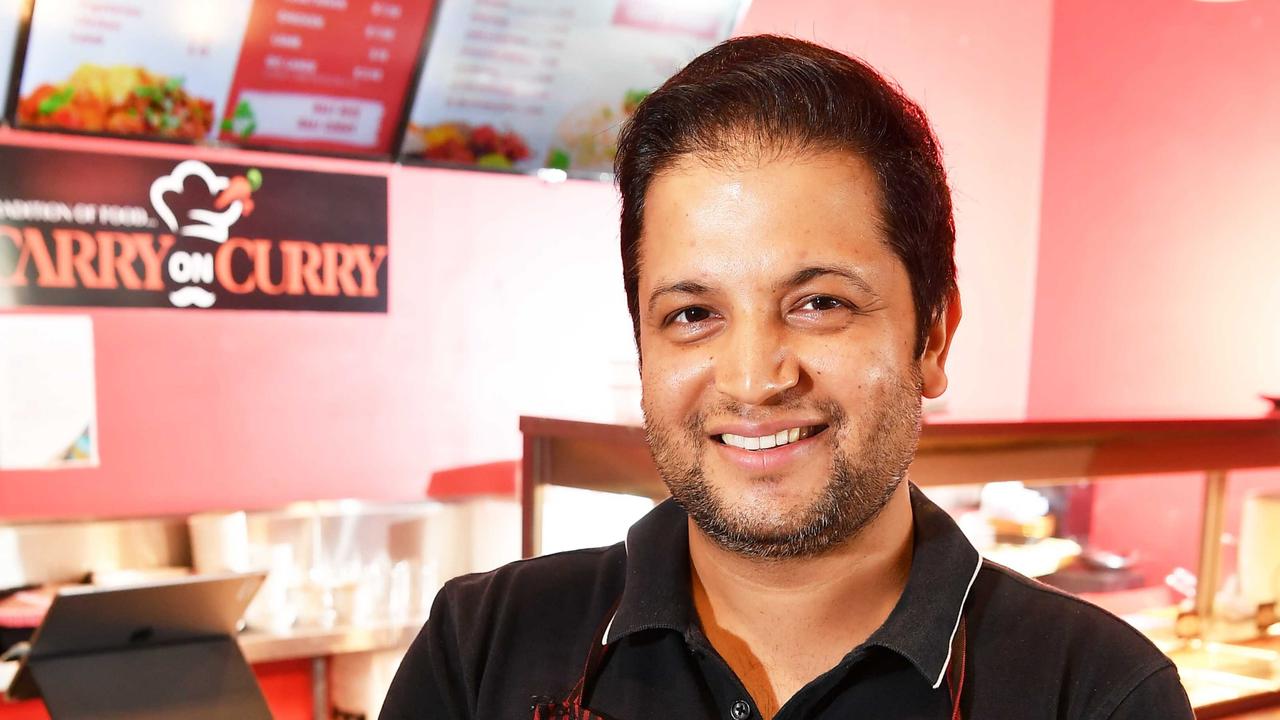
point(496, 641)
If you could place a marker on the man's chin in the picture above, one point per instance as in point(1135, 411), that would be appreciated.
point(769, 506)
point(785, 494)
point(760, 533)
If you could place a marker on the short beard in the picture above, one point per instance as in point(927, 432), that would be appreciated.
point(855, 493)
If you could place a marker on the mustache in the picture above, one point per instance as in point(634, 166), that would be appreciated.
point(835, 415)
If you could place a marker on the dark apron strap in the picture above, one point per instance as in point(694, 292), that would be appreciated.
point(955, 670)
point(572, 707)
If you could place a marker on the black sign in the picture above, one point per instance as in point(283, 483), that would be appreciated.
point(111, 230)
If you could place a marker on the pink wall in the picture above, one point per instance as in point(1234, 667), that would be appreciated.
point(1157, 291)
point(506, 299)
point(980, 69)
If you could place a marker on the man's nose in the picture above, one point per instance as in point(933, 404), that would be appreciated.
point(754, 363)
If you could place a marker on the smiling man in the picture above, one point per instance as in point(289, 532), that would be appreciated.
point(787, 246)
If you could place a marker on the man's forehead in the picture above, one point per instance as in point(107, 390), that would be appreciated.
point(813, 192)
point(705, 224)
point(743, 160)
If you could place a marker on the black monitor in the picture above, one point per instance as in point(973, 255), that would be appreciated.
point(160, 650)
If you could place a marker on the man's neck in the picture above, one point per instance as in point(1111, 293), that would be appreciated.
point(779, 624)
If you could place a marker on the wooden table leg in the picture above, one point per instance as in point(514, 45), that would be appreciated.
point(535, 472)
point(1215, 491)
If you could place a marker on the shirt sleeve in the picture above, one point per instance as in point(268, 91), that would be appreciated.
point(1159, 695)
point(429, 684)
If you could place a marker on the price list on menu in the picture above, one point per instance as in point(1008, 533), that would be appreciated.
point(525, 84)
point(324, 74)
point(507, 57)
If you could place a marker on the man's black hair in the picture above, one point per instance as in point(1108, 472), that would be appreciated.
point(749, 97)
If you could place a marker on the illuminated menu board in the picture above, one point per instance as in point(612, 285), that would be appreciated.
point(327, 75)
point(528, 84)
point(10, 19)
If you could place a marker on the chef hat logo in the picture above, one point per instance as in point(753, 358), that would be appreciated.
point(231, 200)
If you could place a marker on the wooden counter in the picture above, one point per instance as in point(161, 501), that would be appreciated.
point(615, 458)
point(310, 643)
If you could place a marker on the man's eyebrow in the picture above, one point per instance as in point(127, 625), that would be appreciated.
point(683, 287)
point(804, 275)
point(800, 277)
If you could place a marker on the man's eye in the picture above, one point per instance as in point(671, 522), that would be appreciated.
point(691, 315)
point(822, 302)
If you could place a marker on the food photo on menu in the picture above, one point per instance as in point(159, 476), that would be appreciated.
point(118, 100)
point(130, 67)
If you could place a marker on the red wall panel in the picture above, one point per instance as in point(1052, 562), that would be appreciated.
point(286, 685)
point(1156, 292)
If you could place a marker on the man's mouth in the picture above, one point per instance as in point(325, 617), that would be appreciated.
point(768, 442)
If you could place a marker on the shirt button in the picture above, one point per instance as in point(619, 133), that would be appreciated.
point(740, 710)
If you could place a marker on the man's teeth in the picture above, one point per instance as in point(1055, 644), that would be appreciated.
point(765, 442)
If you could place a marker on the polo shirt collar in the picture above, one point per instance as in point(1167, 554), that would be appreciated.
point(921, 627)
point(944, 566)
point(656, 593)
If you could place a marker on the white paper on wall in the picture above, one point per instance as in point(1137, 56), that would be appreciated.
point(48, 408)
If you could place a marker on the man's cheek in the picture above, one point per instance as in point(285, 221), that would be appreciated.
point(671, 383)
point(866, 368)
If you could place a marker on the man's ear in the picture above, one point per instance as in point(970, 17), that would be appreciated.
point(933, 360)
